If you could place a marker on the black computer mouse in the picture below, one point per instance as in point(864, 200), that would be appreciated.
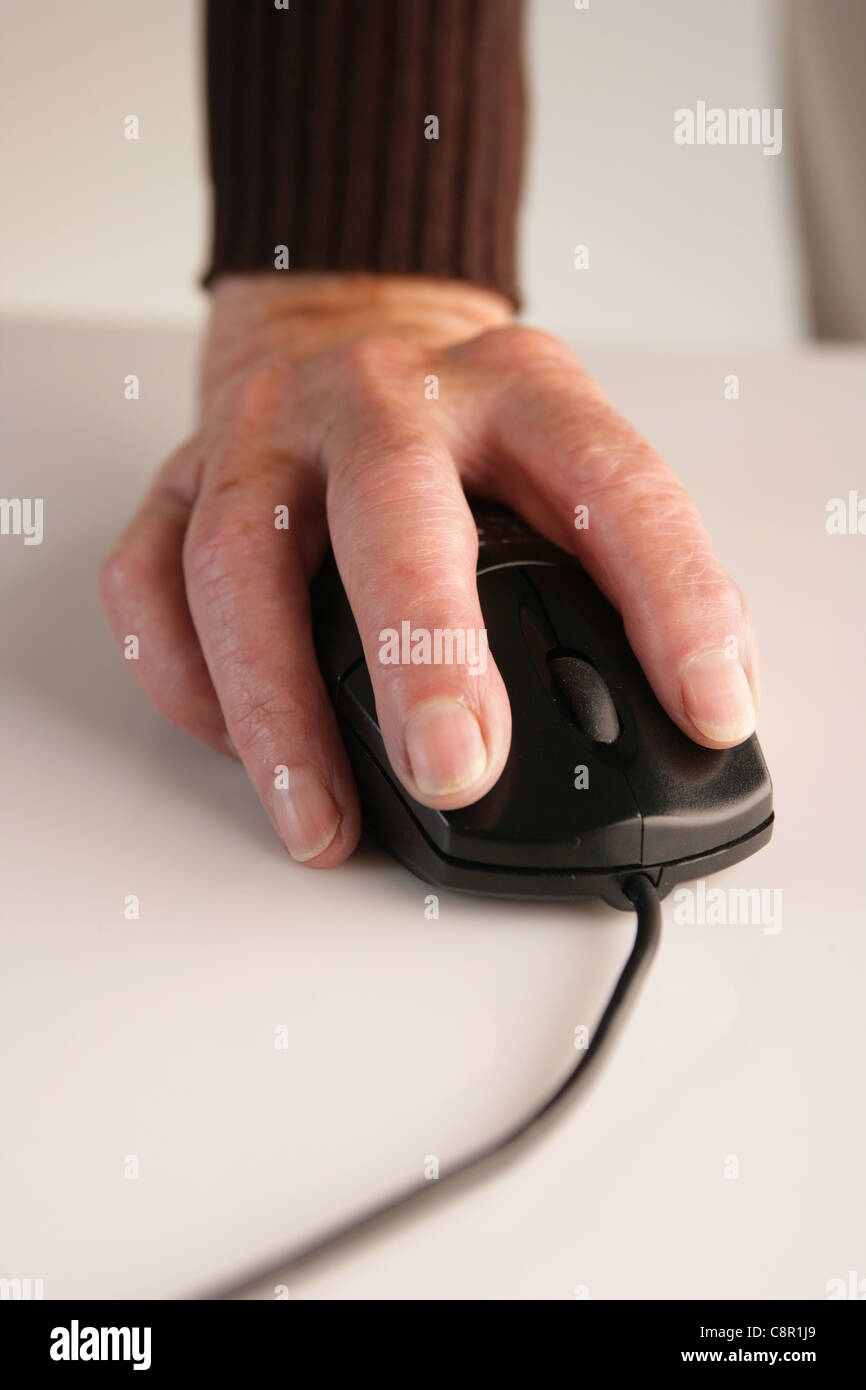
point(599, 783)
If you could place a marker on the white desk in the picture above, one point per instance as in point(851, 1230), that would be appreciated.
point(154, 1038)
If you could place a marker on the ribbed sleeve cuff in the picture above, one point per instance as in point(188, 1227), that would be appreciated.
point(366, 135)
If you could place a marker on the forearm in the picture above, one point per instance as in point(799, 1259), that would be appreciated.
point(319, 118)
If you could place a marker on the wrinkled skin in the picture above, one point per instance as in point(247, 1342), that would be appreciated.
point(316, 397)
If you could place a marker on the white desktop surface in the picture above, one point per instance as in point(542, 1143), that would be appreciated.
point(410, 1037)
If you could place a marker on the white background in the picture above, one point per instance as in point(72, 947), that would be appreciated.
point(410, 1037)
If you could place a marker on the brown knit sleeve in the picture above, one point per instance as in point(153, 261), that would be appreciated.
point(320, 118)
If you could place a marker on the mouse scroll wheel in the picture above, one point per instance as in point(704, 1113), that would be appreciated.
point(587, 696)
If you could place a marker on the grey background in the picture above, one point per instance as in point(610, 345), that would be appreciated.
point(686, 244)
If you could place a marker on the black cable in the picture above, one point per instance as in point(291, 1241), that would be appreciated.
point(478, 1165)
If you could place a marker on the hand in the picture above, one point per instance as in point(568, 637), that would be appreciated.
point(317, 397)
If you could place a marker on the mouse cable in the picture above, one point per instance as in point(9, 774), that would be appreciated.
point(481, 1163)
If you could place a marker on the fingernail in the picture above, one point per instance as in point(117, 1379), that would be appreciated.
point(717, 696)
point(307, 815)
point(445, 746)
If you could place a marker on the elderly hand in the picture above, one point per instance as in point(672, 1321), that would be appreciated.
point(361, 407)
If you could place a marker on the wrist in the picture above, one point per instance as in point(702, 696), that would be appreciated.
point(301, 315)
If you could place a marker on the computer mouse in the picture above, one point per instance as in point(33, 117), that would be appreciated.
point(599, 784)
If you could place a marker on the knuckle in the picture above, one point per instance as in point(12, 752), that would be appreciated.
point(376, 367)
point(522, 337)
point(260, 395)
point(124, 575)
point(523, 346)
point(259, 718)
point(112, 578)
point(216, 546)
point(372, 386)
point(252, 405)
point(245, 481)
point(695, 569)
